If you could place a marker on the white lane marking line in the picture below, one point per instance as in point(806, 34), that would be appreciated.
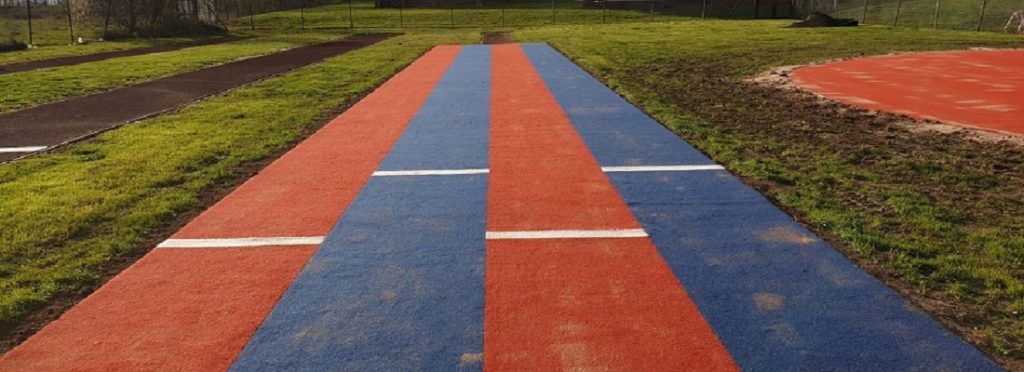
point(22, 149)
point(240, 242)
point(662, 168)
point(430, 172)
point(641, 168)
point(566, 234)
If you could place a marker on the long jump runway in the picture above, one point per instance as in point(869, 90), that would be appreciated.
point(494, 207)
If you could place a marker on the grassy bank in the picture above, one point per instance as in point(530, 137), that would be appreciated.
point(935, 214)
point(67, 215)
point(36, 87)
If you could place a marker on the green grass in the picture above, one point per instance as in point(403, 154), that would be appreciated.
point(65, 215)
point(365, 15)
point(29, 88)
point(36, 54)
point(939, 213)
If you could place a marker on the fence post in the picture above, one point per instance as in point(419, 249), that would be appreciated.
point(28, 6)
point(703, 9)
point(502, 12)
point(401, 17)
point(131, 16)
point(604, 12)
point(935, 17)
point(302, 14)
point(981, 18)
point(351, 24)
point(71, 27)
point(451, 12)
point(553, 17)
point(252, 21)
point(652, 10)
point(864, 17)
point(106, 20)
point(895, 21)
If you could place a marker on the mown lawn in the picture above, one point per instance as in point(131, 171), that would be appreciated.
point(65, 216)
point(49, 52)
point(365, 15)
point(29, 88)
point(937, 215)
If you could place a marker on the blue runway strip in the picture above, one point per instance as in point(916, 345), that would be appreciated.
point(398, 283)
point(778, 297)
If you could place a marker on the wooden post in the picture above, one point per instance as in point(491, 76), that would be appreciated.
point(981, 18)
point(899, 4)
point(351, 24)
point(71, 28)
point(864, 18)
point(553, 16)
point(28, 6)
point(935, 17)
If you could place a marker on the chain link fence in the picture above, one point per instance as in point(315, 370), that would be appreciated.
point(977, 15)
point(54, 22)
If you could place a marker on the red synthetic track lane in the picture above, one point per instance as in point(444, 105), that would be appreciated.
point(565, 304)
point(548, 179)
point(307, 189)
point(194, 309)
point(171, 310)
point(981, 89)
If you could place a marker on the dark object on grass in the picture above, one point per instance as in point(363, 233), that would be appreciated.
point(824, 20)
point(8, 46)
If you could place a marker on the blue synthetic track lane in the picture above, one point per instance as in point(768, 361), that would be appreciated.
point(398, 283)
point(777, 296)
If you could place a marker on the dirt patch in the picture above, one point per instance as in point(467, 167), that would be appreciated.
point(71, 120)
point(74, 60)
point(838, 159)
point(768, 301)
point(498, 38)
point(784, 234)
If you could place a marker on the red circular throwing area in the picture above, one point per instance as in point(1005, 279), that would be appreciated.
point(978, 88)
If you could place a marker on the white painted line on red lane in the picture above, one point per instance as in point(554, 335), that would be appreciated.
point(430, 172)
point(662, 168)
point(638, 168)
point(21, 149)
point(241, 242)
point(566, 234)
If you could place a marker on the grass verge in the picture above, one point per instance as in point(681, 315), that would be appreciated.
point(67, 215)
point(938, 216)
point(30, 88)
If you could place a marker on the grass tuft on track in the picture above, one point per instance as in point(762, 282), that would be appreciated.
point(936, 215)
point(67, 215)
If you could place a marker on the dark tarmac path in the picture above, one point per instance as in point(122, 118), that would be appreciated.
point(38, 128)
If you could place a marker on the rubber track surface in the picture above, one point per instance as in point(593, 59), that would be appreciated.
point(59, 122)
point(494, 207)
point(981, 89)
point(74, 60)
